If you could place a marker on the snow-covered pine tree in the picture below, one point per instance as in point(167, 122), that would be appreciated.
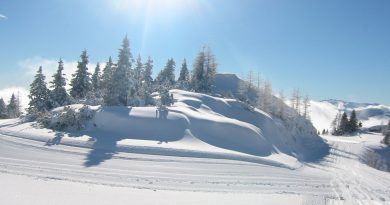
point(107, 83)
point(81, 82)
point(97, 81)
point(203, 73)
point(147, 74)
point(183, 82)
point(123, 77)
point(12, 108)
point(353, 122)
point(167, 75)
point(39, 95)
point(59, 96)
point(3, 109)
point(343, 128)
point(138, 75)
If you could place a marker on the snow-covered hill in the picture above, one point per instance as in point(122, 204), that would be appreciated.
point(323, 112)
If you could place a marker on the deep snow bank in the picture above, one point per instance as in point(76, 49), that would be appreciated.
point(223, 123)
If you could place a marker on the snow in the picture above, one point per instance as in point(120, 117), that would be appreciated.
point(202, 150)
point(322, 113)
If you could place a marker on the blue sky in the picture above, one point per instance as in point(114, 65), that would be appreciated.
point(328, 49)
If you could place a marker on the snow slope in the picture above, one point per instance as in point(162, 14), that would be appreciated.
point(323, 112)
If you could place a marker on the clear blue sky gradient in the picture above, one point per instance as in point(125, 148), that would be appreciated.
point(328, 49)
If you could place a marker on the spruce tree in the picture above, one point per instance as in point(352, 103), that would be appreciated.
point(96, 81)
point(167, 75)
point(39, 94)
point(343, 128)
point(81, 82)
point(59, 96)
point(109, 94)
point(3, 109)
point(123, 79)
point(184, 77)
point(138, 75)
point(148, 69)
point(12, 107)
point(146, 88)
point(353, 122)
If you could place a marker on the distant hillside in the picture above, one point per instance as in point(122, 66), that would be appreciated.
point(371, 114)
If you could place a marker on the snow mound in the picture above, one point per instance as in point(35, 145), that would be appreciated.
point(323, 112)
point(200, 118)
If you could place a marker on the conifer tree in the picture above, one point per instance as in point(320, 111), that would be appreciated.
point(343, 124)
point(3, 109)
point(147, 74)
point(123, 79)
point(39, 94)
point(12, 108)
point(167, 75)
point(96, 81)
point(184, 77)
point(81, 82)
point(59, 96)
point(138, 75)
point(353, 122)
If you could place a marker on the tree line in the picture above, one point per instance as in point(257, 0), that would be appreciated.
point(128, 82)
point(254, 91)
point(342, 124)
point(12, 109)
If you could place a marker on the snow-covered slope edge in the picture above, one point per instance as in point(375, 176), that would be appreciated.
point(196, 122)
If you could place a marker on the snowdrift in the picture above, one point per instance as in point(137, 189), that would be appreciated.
point(194, 117)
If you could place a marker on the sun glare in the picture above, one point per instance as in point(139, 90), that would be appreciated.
point(154, 7)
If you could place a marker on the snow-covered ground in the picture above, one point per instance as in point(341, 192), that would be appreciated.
point(204, 150)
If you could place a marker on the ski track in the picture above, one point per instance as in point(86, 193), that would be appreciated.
point(340, 178)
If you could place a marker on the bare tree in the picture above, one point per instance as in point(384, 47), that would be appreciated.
point(296, 100)
point(306, 105)
point(281, 109)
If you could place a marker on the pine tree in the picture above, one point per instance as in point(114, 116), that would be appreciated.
point(96, 81)
point(12, 107)
point(107, 83)
point(184, 77)
point(353, 122)
point(3, 109)
point(343, 128)
point(59, 96)
point(123, 77)
point(148, 69)
point(167, 75)
point(138, 75)
point(81, 82)
point(203, 73)
point(39, 94)
point(296, 100)
point(281, 106)
point(146, 88)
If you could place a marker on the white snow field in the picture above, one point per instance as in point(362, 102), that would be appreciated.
point(203, 150)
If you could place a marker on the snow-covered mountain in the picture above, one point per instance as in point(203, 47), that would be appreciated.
point(323, 112)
